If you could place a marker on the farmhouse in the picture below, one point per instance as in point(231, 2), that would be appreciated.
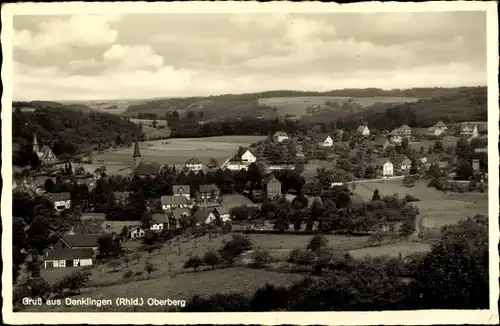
point(68, 257)
point(194, 164)
point(158, 222)
point(78, 241)
point(248, 157)
point(45, 154)
point(469, 131)
point(405, 164)
point(61, 200)
point(382, 144)
point(363, 130)
point(137, 233)
point(148, 169)
point(437, 130)
point(280, 136)
point(273, 187)
point(174, 202)
point(395, 137)
point(208, 194)
point(176, 215)
point(117, 226)
point(386, 166)
point(323, 140)
point(181, 190)
point(236, 166)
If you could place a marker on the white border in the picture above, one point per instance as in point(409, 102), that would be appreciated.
point(425, 317)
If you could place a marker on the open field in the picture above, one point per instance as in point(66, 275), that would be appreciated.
point(178, 151)
point(447, 142)
point(404, 248)
point(163, 130)
point(108, 106)
point(297, 105)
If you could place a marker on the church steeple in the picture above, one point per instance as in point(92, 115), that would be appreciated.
point(36, 148)
point(137, 154)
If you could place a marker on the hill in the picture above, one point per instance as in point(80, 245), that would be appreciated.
point(285, 103)
point(71, 131)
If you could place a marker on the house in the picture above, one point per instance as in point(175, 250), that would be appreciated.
point(169, 203)
point(323, 140)
point(395, 137)
point(363, 130)
point(194, 164)
point(469, 131)
point(67, 257)
point(280, 136)
point(116, 227)
point(208, 194)
point(405, 131)
point(382, 144)
point(437, 130)
point(137, 233)
point(386, 167)
point(204, 216)
point(423, 159)
point(78, 241)
point(273, 187)
point(148, 169)
point(248, 157)
point(236, 166)
point(223, 213)
point(158, 222)
point(45, 154)
point(181, 190)
point(61, 200)
point(405, 164)
point(176, 215)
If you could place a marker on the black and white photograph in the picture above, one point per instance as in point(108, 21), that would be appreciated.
point(277, 160)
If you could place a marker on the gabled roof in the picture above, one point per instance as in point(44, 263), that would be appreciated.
point(440, 124)
point(395, 132)
point(159, 218)
point(60, 196)
point(381, 142)
point(405, 127)
point(208, 188)
point(222, 210)
point(181, 189)
point(280, 134)
point(361, 128)
point(320, 137)
point(175, 200)
point(179, 212)
point(405, 161)
point(81, 240)
point(382, 160)
point(201, 214)
point(69, 254)
point(249, 151)
point(193, 161)
point(270, 178)
point(148, 168)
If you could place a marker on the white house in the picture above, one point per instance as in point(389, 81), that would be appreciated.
point(137, 233)
point(67, 257)
point(363, 130)
point(194, 164)
point(280, 136)
point(395, 137)
point(324, 141)
point(181, 191)
point(174, 202)
point(61, 200)
point(405, 164)
point(437, 130)
point(236, 166)
point(156, 226)
point(248, 157)
point(388, 169)
point(469, 131)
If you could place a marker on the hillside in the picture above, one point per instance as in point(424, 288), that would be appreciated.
point(71, 131)
point(273, 104)
point(464, 105)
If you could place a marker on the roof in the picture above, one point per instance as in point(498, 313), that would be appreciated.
point(137, 152)
point(91, 227)
point(179, 212)
point(361, 128)
point(380, 141)
point(382, 160)
point(249, 151)
point(175, 200)
point(320, 137)
point(208, 188)
point(193, 161)
point(270, 178)
point(442, 164)
point(440, 124)
point(159, 218)
point(60, 196)
point(81, 240)
point(405, 127)
point(93, 216)
point(468, 127)
point(184, 189)
point(201, 214)
point(280, 134)
point(222, 210)
point(69, 254)
point(148, 168)
point(395, 132)
point(406, 161)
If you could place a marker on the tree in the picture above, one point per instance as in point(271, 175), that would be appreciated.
point(211, 258)
point(377, 237)
point(261, 258)
point(317, 243)
point(149, 268)
point(376, 195)
point(48, 185)
point(302, 257)
point(193, 262)
point(231, 249)
point(146, 219)
point(464, 170)
point(438, 147)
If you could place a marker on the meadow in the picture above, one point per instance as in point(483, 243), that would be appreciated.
point(297, 105)
point(404, 248)
point(179, 150)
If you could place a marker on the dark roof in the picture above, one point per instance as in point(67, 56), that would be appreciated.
point(81, 240)
point(91, 227)
point(178, 200)
point(201, 214)
point(159, 218)
point(148, 168)
point(137, 152)
point(60, 196)
point(382, 160)
point(208, 188)
point(222, 210)
point(179, 212)
point(320, 137)
point(68, 254)
point(380, 141)
point(405, 127)
point(185, 189)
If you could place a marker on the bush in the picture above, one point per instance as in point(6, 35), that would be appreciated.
point(231, 249)
point(317, 243)
point(211, 259)
point(193, 262)
point(261, 258)
point(303, 257)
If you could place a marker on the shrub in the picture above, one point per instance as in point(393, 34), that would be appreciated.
point(261, 258)
point(211, 259)
point(193, 262)
point(317, 243)
point(302, 257)
point(231, 249)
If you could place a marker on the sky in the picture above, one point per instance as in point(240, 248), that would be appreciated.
point(93, 57)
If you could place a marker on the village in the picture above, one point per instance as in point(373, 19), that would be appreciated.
point(379, 156)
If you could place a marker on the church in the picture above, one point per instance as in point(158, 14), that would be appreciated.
point(45, 154)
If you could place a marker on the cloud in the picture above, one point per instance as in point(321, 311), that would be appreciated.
point(79, 31)
point(133, 57)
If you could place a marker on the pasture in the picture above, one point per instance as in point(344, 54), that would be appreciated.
point(405, 248)
point(297, 105)
point(179, 150)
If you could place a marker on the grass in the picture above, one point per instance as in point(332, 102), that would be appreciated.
point(178, 151)
point(404, 248)
point(297, 105)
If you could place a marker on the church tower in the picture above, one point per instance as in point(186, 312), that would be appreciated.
point(36, 148)
point(137, 154)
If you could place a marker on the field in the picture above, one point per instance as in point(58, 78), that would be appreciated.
point(163, 130)
point(108, 106)
point(393, 250)
point(178, 151)
point(437, 209)
point(297, 105)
